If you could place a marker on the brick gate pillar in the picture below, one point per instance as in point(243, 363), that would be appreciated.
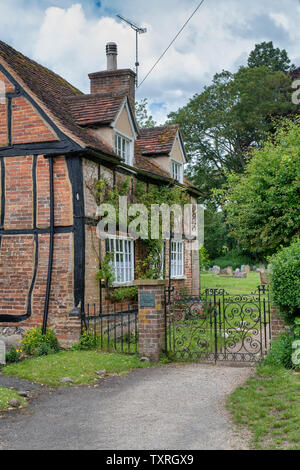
point(151, 319)
point(278, 326)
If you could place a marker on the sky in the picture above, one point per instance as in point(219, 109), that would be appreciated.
point(69, 37)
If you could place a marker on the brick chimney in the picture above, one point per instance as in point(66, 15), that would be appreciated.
point(112, 79)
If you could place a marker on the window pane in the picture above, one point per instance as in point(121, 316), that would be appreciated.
point(122, 261)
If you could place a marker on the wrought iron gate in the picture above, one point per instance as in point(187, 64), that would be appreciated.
point(217, 326)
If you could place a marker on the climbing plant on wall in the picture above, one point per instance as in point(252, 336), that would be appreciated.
point(150, 264)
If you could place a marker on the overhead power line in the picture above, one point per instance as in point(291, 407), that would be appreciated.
point(172, 42)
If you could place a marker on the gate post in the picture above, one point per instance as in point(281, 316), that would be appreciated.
point(151, 318)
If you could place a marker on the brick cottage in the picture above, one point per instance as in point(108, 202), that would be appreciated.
point(54, 140)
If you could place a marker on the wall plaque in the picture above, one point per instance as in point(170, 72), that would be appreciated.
point(147, 300)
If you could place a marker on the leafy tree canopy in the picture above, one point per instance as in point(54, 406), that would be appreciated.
point(231, 116)
point(265, 54)
point(144, 119)
point(263, 204)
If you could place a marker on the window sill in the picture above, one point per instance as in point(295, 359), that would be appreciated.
point(125, 284)
point(179, 278)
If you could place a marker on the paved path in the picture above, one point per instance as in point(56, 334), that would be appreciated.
point(173, 407)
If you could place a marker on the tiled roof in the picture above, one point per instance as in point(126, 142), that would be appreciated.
point(73, 109)
point(146, 164)
point(98, 108)
point(157, 140)
point(52, 90)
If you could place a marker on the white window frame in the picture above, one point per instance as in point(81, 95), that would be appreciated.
point(177, 259)
point(122, 262)
point(125, 151)
point(162, 257)
point(178, 173)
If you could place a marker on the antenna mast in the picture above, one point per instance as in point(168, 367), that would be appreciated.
point(138, 30)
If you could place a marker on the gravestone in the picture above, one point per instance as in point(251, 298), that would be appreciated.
point(239, 275)
point(227, 271)
point(247, 269)
point(261, 268)
point(216, 270)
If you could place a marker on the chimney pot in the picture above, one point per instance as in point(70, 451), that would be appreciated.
point(112, 54)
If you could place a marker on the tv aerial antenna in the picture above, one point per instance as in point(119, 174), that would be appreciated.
point(138, 30)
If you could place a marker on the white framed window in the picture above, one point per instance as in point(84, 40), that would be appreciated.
point(177, 259)
point(124, 148)
point(177, 171)
point(122, 261)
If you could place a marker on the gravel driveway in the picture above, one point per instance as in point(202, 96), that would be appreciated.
point(174, 407)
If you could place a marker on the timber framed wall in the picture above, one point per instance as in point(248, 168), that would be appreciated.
point(42, 257)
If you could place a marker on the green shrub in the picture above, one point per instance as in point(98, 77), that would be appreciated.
point(87, 341)
point(35, 343)
point(281, 351)
point(204, 258)
point(296, 328)
point(123, 293)
point(285, 281)
point(13, 355)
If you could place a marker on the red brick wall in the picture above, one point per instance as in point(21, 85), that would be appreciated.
point(18, 251)
point(27, 125)
point(114, 80)
point(18, 193)
point(278, 326)
point(3, 123)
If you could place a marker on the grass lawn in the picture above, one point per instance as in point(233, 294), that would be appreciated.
point(78, 365)
point(268, 404)
point(6, 395)
point(230, 284)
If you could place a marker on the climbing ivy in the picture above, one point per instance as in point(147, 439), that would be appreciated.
point(150, 265)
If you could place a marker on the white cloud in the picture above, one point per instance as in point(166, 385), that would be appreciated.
point(70, 38)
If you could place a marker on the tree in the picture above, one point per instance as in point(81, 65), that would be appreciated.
point(144, 120)
point(216, 239)
point(232, 115)
point(266, 55)
point(263, 204)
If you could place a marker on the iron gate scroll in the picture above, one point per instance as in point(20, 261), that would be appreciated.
point(217, 326)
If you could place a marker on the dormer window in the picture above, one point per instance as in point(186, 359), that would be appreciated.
point(124, 148)
point(177, 171)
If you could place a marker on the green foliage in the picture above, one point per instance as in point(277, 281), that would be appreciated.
point(228, 118)
point(217, 242)
point(263, 204)
point(285, 281)
point(105, 273)
point(266, 55)
point(143, 118)
point(87, 342)
point(123, 293)
point(151, 265)
point(280, 354)
point(204, 258)
point(14, 355)
point(296, 328)
point(233, 258)
point(35, 343)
